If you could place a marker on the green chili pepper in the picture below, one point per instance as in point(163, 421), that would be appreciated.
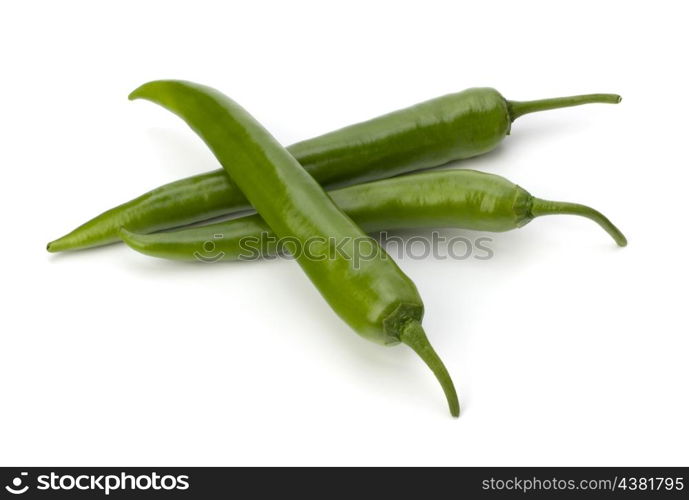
point(374, 296)
point(426, 135)
point(464, 199)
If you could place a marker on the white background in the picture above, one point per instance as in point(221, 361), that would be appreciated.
point(565, 349)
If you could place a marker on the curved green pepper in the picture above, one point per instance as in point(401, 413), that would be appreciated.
point(429, 134)
point(464, 199)
point(374, 296)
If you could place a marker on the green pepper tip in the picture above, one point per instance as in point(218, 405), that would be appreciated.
point(134, 94)
point(521, 108)
point(139, 91)
point(413, 335)
point(56, 246)
point(542, 207)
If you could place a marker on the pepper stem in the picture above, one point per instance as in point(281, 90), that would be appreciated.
point(546, 207)
point(520, 108)
point(414, 336)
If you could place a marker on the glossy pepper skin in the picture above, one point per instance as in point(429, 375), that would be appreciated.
point(372, 295)
point(429, 134)
point(464, 199)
